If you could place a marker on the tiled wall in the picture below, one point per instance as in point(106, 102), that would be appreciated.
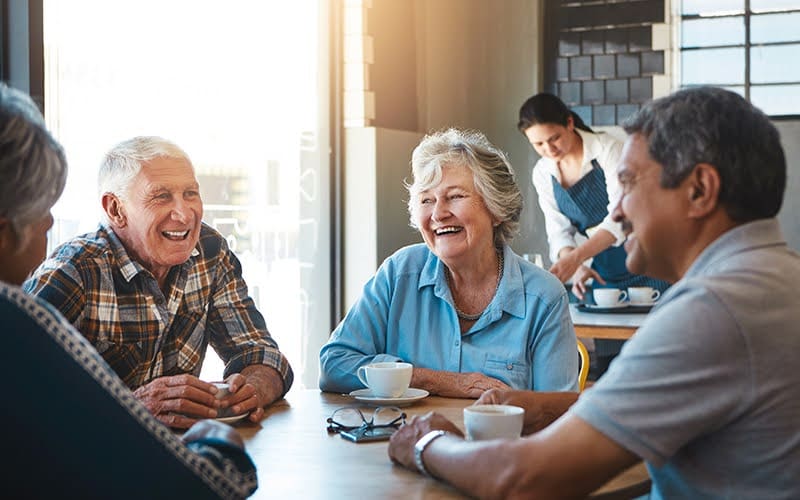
point(600, 56)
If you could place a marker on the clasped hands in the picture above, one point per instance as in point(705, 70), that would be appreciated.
point(181, 400)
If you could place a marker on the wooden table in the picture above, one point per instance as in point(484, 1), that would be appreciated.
point(297, 458)
point(605, 326)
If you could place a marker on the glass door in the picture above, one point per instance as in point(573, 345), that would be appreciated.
point(242, 87)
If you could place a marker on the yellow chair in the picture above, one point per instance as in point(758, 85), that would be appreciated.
point(584, 372)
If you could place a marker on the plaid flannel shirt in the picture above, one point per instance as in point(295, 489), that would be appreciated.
point(143, 334)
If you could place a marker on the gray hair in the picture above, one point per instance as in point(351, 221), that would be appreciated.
point(33, 166)
point(492, 173)
point(125, 160)
point(719, 127)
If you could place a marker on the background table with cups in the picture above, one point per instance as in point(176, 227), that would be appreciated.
point(605, 326)
point(610, 324)
point(296, 457)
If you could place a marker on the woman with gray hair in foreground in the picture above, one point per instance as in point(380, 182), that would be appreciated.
point(72, 422)
point(462, 307)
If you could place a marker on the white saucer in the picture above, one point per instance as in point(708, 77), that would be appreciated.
point(643, 303)
point(230, 420)
point(615, 306)
point(410, 396)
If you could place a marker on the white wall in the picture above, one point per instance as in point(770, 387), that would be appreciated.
point(477, 63)
point(375, 214)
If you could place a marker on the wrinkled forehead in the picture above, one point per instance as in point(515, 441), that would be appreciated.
point(432, 176)
point(167, 172)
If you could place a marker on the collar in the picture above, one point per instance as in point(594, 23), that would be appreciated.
point(592, 148)
point(510, 296)
point(127, 266)
point(749, 236)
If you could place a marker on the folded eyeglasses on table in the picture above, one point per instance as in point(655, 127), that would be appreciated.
point(349, 418)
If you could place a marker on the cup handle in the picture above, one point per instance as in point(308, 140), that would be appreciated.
point(362, 375)
point(623, 296)
point(655, 295)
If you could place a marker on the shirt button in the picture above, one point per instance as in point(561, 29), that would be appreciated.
point(458, 343)
point(509, 366)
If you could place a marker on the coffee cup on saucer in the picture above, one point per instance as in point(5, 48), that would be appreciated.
point(643, 295)
point(223, 391)
point(609, 297)
point(386, 379)
point(493, 421)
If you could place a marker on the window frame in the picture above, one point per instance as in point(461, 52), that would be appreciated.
point(747, 15)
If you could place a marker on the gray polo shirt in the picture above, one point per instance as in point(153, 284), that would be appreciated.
point(708, 390)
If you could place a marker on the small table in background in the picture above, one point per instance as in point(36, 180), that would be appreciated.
point(605, 326)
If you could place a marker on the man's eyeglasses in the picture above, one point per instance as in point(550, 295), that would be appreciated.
point(349, 418)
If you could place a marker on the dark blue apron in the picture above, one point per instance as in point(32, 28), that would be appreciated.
point(585, 204)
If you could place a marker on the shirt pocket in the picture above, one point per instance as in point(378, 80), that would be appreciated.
point(513, 372)
point(191, 340)
point(122, 336)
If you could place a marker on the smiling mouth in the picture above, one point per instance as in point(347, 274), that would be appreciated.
point(176, 235)
point(447, 230)
point(627, 227)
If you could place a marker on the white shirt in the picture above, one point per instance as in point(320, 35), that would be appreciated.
point(560, 231)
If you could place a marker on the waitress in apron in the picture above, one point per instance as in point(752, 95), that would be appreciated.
point(577, 185)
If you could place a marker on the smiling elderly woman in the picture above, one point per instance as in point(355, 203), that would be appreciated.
point(462, 307)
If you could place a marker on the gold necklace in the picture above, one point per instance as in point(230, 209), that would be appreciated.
point(472, 317)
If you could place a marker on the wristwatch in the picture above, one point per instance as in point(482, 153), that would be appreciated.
point(419, 448)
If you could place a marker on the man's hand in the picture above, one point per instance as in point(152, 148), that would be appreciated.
point(401, 445)
point(179, 400)
point(243, 398)
point(541, 408)
point(266, 385)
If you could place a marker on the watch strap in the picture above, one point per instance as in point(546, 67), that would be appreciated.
point(420, 446)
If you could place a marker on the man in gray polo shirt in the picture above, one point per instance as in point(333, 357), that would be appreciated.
point(707, 392)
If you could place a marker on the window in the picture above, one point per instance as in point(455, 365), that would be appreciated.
point(242, 87)
point(601, 59)
point(747, 46)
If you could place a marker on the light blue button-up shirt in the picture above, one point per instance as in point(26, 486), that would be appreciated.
point(525, 337)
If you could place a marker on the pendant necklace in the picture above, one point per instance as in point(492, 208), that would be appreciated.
point(473, 317)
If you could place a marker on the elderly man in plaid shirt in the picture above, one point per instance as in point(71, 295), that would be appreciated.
point(154, 285)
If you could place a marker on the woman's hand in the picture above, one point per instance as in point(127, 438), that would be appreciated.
point(582, 275)
point(568, 263)
point(453, 384)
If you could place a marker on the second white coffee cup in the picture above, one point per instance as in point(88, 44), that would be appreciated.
point(387, 379)
point(493, 421)
point(643, 294)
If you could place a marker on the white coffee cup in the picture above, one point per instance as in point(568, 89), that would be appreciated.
point(387, 379)
point(223, 390)
point(643, 294)
point(609, 297)
point(493, 421)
